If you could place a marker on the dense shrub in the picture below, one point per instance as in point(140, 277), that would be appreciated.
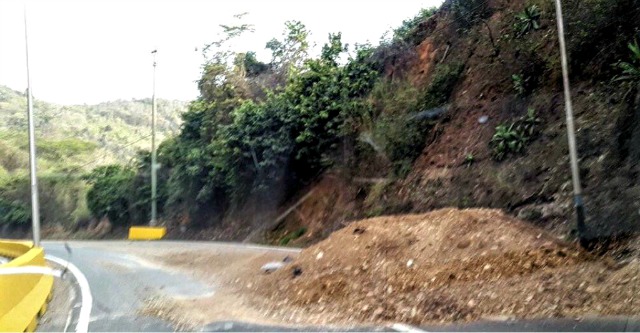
point(57, 149)
point(441, 87)
point(235, 144)
point(13, 212)
point(403, 139)
point(110, 193)
point(62, 198)
point(408, 32)
point(404, 115)
point(232, 147)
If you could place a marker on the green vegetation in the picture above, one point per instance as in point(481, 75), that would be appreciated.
point(62, 199)
point(293, 236)
point(527, 20)
point(261, 131)
point(519, 84)
point(62, 193)
point(630, 70)
point(14, 212)
point(408, 31)
point(110, 192)
point(402, 116)
point(469, 159)
point(294, 47)
point(514, 138)
point(241, 139)
point(70, 140)
point(444, 81)
point(115, 128)
point(506, 140)
point(58, 149)
point(403, 140)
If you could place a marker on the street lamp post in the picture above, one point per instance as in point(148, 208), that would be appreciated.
point(35, 205)
point(154, 167)
point(573, 154)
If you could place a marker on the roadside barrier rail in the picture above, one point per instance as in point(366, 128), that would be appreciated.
point(23, 297)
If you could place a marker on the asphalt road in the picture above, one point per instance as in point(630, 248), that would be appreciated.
point(121, 282)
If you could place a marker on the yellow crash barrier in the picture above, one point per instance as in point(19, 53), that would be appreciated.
point(23, 298)
point(147, 233)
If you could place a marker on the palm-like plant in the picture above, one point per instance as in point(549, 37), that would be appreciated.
point(528, 126)
point(527, 20)
point(519, 84)
point(506, 140)
point(630, 70)
point(514, 138)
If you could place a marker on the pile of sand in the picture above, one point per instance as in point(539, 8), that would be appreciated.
point(446, 265)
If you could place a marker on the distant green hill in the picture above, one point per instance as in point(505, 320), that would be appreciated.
point(71, 139)
point(83, 133)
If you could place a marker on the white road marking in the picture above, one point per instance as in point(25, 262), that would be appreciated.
point(30, 270)
point(110, 317)
point(405, 328)
point(87, 300)
point(72, 299)
point(66, 325)
point(266, 248)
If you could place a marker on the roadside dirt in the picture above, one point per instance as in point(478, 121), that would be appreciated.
point(328, 208)
point(447, 266)
point(221, 269)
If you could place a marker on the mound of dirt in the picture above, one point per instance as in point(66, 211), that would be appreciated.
point(443, 266)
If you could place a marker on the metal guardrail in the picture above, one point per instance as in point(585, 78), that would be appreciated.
point(24, 296)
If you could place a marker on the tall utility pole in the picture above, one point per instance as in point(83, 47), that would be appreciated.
point(154, 168)
point(573, 154)
point(35, 205)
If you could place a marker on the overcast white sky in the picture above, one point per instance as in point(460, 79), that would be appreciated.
point(93, 51)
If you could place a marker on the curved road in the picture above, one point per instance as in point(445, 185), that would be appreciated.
point(121, 282)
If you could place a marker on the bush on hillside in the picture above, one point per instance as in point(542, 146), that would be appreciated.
point(408, 32)
point(445, 78)
point(14, 212)
point(110, 193)
point(61, 196)
point(527, 20)
point(513, 139)
point(404, 115)
point(403, 139)
point(232, 147)
point(631, 69)
point(57, 149)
